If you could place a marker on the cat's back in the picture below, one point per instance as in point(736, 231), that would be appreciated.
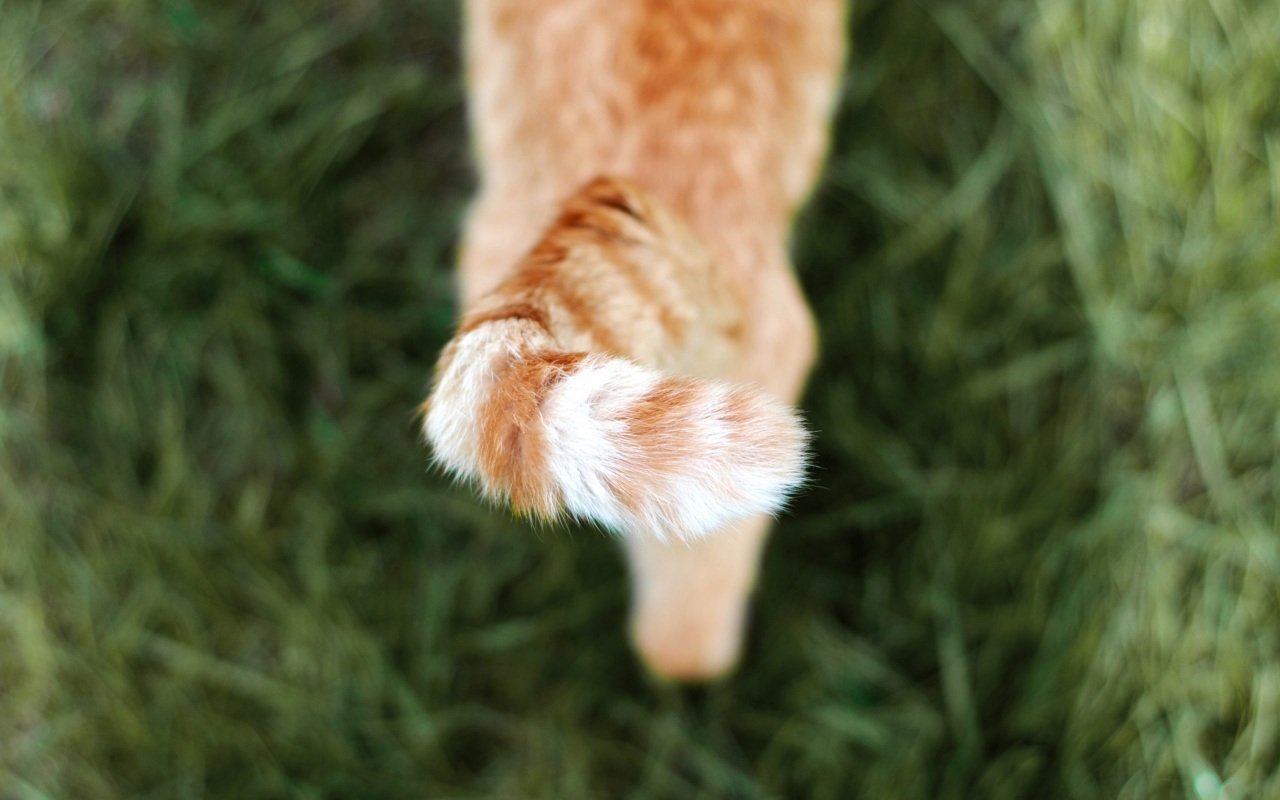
point(716, 106)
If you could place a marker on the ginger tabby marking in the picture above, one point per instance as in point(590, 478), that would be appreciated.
point(632, 330)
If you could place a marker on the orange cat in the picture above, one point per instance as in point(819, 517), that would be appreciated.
point(632, 328)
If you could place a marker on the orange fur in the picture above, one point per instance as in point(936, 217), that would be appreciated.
point(711, 117)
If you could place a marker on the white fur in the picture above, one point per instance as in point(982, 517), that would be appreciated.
point(451, 425)
point(728, 478)
point(727, 474)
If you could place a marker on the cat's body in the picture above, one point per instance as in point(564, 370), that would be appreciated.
point(631, 322)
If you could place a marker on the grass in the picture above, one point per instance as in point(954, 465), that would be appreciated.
point(1041, 558)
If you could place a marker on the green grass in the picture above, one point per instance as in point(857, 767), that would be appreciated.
point(1040, 559)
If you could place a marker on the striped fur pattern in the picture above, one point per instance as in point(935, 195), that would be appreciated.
point(629, 344)
point(553, 395)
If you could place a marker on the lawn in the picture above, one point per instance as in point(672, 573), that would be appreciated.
point(1040, 557)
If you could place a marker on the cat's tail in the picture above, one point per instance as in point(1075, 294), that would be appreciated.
point(607, 439)
point(601, 436)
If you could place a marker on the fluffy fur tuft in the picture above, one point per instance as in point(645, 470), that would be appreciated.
point(606, 439)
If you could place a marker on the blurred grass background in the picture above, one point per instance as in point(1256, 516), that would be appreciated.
point(1040, 558)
